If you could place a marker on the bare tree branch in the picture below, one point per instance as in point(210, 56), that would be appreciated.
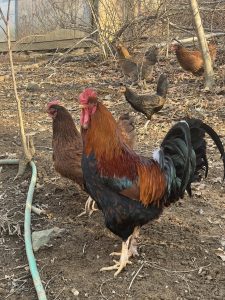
point(2, 16)
point(27, 156)
point(8, 11)
point(209, 74)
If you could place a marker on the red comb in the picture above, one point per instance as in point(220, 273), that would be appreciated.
point(53, 102)
point(86, 95)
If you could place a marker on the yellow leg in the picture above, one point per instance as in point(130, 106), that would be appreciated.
point(145, 84)
point(132, 249)
point(124, 259)
point(89, 207)
point(93, 208)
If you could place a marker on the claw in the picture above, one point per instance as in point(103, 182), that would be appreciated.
point(119, 266)
point(124, 259)
point(115, 254)
point(129, 249)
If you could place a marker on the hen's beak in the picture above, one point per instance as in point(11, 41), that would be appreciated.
point(83, 106)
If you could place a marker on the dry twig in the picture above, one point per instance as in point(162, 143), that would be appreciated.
point(135, 275)
point(100, 289)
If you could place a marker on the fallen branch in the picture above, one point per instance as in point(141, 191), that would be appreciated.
point(38, 211)
point(194, 38)
point(187, 29)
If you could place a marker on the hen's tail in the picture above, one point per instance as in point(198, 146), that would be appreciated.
point(183, 156)
point(162, 85)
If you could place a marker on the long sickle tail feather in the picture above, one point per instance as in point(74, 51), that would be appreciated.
point(179, 159)
point(214, 136)
point(183, 156)
point(198, 130)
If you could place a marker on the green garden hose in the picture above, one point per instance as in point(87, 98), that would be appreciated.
point(27, 229)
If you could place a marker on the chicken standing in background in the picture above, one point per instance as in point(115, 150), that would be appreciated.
point(67, 145)
point(137, 69)
point(130, 189)
point(192, 60)
point(126, 126)
point(148, 104)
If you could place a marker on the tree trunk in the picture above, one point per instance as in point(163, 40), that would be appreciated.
point(129, 15)
point(209, 74)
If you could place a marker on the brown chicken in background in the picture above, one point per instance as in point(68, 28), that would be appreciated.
point(137, 68)
point(67, 144)
point(192, 60)
point(148, 104)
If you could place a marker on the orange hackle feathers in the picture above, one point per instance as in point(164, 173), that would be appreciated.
point(106, 144)
point(122, 51)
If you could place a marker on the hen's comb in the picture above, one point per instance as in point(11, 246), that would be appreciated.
point(53, 102)
point(87, 95)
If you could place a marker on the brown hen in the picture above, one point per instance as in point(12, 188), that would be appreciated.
point(67, 145)
point(192, 60)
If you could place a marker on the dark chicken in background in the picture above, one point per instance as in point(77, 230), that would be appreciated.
point(137, 69)
point(125, 124)
point(192, 60)
point(148, 104)
point(68, 147)
point(130, 189)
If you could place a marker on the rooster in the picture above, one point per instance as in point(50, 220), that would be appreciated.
point(192, 60)
point(132, 190)
point(67, 145)
point(148, 104)
point(137, 69)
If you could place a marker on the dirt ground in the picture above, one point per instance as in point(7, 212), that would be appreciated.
point(178, 253)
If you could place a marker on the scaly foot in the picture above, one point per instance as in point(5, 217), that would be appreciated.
point(132, 251)
point(124, 259)
point(89, 207)
point(132, 248)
